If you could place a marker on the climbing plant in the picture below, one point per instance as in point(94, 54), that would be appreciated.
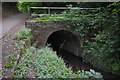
point(99, 31)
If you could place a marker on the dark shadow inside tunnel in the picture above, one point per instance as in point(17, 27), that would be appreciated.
point(64, 40)
point(67, 46)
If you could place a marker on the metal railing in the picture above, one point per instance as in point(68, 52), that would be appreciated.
point(59, 8)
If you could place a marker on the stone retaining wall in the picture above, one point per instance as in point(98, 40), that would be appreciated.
point(42, 30)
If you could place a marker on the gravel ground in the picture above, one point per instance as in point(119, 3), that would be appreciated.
point(13, 24)
point(7, 49)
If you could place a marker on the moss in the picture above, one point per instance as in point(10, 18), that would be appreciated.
point(48, 18)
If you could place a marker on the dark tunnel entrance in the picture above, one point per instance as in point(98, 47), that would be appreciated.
point(68, 47)
point(66, 41)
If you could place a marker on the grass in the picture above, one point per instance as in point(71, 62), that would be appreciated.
point(48, 18)
point(10, 61)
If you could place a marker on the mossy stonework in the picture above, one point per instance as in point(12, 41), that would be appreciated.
point(55, 32)
point(44, 32)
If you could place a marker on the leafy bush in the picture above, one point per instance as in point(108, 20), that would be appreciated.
point(9, 65)
point(99, 31)
point(106, 43)
point(93, 4)
point(23, 43)
point(84, 22)
point(23, 39)
point(24, 34)
point(106, 46)
point(45, 62)
point(47, 65)
point(25, 6)
point(25, 63)
point(10, 61)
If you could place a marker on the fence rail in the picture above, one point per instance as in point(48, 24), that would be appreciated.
point(59, 8)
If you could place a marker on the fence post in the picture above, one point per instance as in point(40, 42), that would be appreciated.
point(48, 10)
point(29, 10)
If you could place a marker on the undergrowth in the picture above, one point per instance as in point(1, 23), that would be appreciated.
point(99, 30)
point(52, 17)
point(45, 62)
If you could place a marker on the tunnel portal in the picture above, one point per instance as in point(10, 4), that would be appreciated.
point(63, 40)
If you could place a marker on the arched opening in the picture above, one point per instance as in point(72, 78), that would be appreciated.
point(64, 41)
point(68, 47)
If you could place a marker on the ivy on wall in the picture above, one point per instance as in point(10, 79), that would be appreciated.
point(99, 30)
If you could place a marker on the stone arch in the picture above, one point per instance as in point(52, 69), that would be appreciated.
point(65, 40)
point(42, 31)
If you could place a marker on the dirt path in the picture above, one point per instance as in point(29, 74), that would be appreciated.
point(10, 27)
point(12, 21)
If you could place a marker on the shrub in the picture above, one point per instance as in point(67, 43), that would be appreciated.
point(10, 61)
point(23, 40)
point(47, 65)
point(23, 43)
point(99, 33)
point(25, 6)
point(25, 63)
point(45, 62)
point(87, 23)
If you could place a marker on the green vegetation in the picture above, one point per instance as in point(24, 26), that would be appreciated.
point(23, 43)
point(49, 65)
point(45, 63)
point(25, 63)
point(23, 40)
point(25, 6)
point(48, 18)
point(25, 33)
point(9, 65)
point(99, 31)
point(10, 61)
